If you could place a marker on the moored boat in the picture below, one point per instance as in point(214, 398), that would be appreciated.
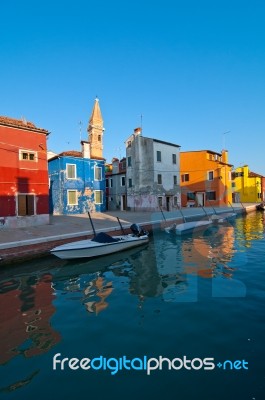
point(188, 227)
point(261, 206)
point(101, 244)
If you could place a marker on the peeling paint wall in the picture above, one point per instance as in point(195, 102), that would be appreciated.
point(152, 182)
point(84, 184)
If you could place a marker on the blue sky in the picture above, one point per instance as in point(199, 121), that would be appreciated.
point(193, 69)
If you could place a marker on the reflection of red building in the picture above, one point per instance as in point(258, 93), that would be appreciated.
point(24, 189)
point(25, 312)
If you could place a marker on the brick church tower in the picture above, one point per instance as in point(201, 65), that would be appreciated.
point(95, 132)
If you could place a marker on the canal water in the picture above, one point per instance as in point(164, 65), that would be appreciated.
point(181, 318)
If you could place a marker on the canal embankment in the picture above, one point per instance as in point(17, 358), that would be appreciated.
point(26, 243)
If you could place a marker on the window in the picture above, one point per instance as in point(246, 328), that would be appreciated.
point(25, 204)
point(233, 184)
point(122, 180)
point(130, 182)
point(160, 201)
point(175, 180)
point(70, 171)
point(107, 183)
point(259, 195)
point(72, 197)
point(239, 174)
point(98, 173)
point(190, 196)
point(158, 156)
point(210, 175)
point(185, 177)
point(210, 195)
point(110, 182)
point(175, 201)
point(98, 197)
point(159, 179)
point(129, 161)
point(26, 155)
point(99, 138)
point(174, 158)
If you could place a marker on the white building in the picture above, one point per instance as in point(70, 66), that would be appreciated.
point(153, 173)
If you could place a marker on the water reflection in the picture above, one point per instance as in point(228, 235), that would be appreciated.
point(250, 228)
point(100, 289)
point(169, 267)
point(25, 312)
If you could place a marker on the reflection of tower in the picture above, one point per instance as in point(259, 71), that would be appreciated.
point(95, 132)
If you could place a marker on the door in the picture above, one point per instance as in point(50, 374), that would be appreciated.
point(168, 202)
point(123, 202)
point(200, 199)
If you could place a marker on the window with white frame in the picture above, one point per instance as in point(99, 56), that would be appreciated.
point(70, 171)
point(72, 198)
point(27, 155)
point(210, 175)
point(122, 180)
point(98, 173)
point(98, 196)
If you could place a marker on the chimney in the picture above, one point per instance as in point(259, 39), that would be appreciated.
point(85, 149)
point(225, 156)
point(137, 131)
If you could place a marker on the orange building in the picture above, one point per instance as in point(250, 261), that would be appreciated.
point(205, 178)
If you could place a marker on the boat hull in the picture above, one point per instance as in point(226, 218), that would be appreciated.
point(220, 218)
point(189, 227)
point(89, 249)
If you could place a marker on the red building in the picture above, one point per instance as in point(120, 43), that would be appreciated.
point(24, 186)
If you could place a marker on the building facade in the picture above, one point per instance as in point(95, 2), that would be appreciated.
point(116, 192)
point(77, 184)
point(205, 178)
point(248, 187)
point(24, 189)
point(77, 179)
point(152, 173)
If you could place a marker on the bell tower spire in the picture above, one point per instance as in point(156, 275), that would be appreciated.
point(95, 132)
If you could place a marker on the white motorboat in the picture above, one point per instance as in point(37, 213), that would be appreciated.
point(223, 217)
point(188, 227)
point(101, 244)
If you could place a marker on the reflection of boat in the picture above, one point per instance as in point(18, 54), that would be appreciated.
point(101, 244)
point(261, 206)
point(188, 227)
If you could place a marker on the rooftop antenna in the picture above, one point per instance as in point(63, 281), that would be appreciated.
point(80, 130)
point(224, 148)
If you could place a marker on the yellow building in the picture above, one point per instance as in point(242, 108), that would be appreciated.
point(248, 187)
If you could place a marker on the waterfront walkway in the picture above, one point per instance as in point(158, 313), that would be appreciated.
point(38, 240)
